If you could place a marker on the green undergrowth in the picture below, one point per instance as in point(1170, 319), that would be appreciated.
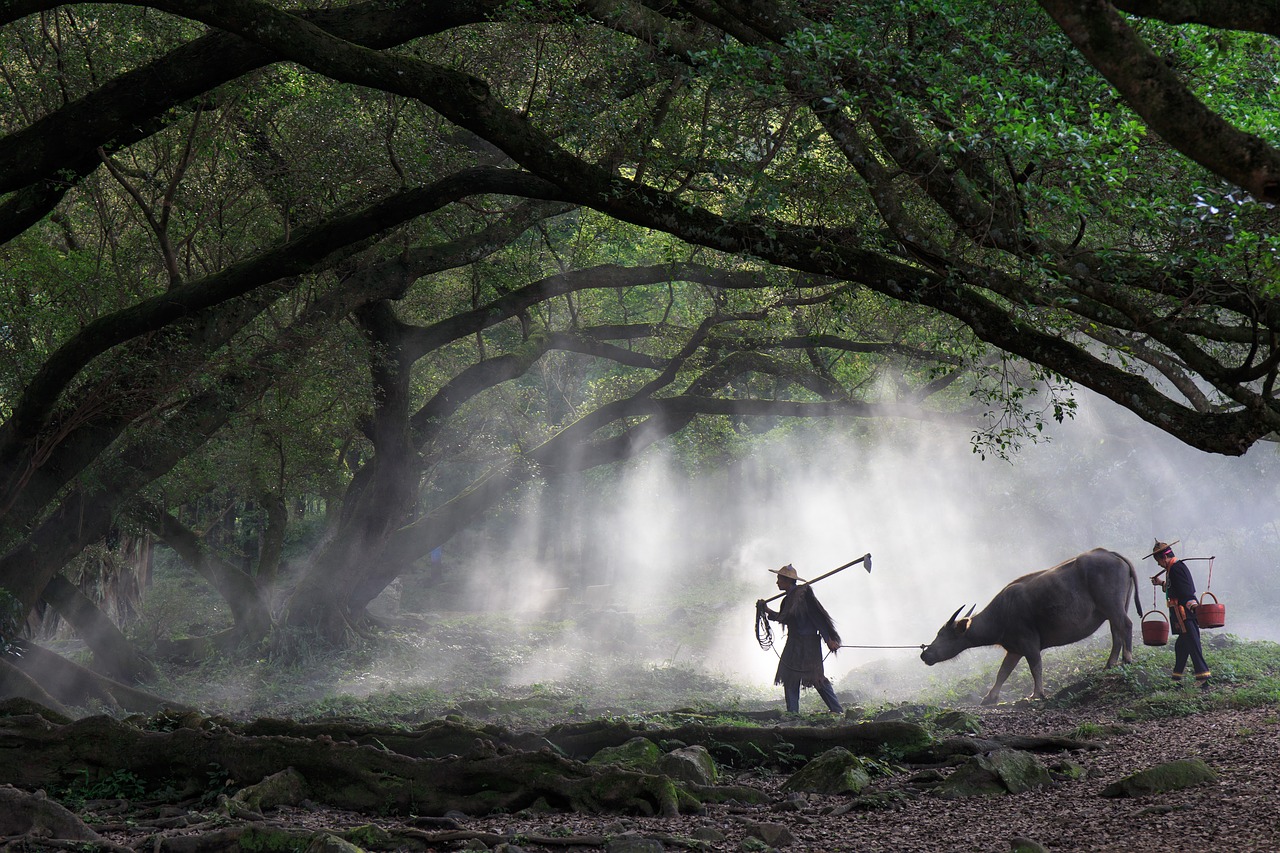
point(531, 674)
point(1246, 674)
point(511, 671)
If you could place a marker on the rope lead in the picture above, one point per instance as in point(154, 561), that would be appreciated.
point(764, 633)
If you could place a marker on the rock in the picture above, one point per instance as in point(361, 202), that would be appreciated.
point(873, 802)
point(1005, 771)
point(836, 771)
point(638, 753)
point(707, 833)
point(1068, 770)
point(633, 844)
point(286, 788)
point(326, 843)
point(1171, 776)
point(772, 834)
point(689, 764)
point(1018, 844)
point(958, 721)
point(928, 778)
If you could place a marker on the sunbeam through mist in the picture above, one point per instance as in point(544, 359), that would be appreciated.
point(687, 556)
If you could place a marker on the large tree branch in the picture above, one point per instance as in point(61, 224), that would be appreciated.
point(1154, 92)
point(34, 408)
point(127, 108)
point(1244, 15)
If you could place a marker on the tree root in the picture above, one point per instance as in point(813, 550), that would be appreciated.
point(41, 753)
point(72, 685)
point(31, 821)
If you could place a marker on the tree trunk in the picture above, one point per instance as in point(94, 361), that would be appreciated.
point(14, 683)
point(73, 685)
point(113, 655)
point(244, 596)
point(272, 544)
point(380, 499)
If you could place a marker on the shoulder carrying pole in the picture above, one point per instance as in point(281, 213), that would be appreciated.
point(865, 559)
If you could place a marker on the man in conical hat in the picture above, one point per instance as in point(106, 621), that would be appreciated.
point(808, 626)
point(1180, 591)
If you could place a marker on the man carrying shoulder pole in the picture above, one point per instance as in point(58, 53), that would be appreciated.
point(1180, 589)
point(808, 626)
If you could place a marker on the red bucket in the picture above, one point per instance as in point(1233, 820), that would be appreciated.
point(1155, 633)
point(1211, 615)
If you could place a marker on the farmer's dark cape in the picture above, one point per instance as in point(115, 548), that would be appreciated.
point(807, 623)
point(802, 607)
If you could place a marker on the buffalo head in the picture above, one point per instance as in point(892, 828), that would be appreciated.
point(950, 640)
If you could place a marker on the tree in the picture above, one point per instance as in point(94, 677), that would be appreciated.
point(913, 194)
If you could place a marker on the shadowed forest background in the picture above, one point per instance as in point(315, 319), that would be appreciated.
point(312, 319)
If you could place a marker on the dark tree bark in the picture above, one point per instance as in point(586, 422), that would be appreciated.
point(343, 775)
point(113, 655)
point(75, 686)
point(245, 597)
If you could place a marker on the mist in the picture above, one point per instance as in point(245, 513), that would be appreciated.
point(945, 527)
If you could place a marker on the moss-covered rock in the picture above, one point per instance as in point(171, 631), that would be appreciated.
point(1171, 776)
point(689, 764)
point(286, 788)
point(1005, 771)
point(638, 753)
point(836, 771)
point(1068, 770)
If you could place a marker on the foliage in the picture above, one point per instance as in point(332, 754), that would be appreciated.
point(1245, 674)
point(119, 784)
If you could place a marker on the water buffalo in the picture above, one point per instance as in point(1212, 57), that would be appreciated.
point(1048, 608)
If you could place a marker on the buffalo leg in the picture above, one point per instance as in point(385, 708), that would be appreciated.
point(1037, 674)
point(1124, 639)
point(1121, 641)
point(1006, 666)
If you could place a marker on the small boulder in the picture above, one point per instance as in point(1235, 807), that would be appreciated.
point(638, 753)
point(1004, 771)
point(286, 788)
point(1171, 776)
point(633, 844)
point(958, 721)
point(836, 771)
point(326, 843)
point(689, 764)
point(772, 834)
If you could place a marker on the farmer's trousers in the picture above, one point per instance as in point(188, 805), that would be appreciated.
point(791, 692)
point(1188, 646)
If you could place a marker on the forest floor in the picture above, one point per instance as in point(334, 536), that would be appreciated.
point(1130, 714)
point(1240, 812)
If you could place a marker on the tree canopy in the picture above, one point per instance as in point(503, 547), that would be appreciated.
point(413, 256)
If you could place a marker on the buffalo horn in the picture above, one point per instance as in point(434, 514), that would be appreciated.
point(954, 615)
point(970, 613)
